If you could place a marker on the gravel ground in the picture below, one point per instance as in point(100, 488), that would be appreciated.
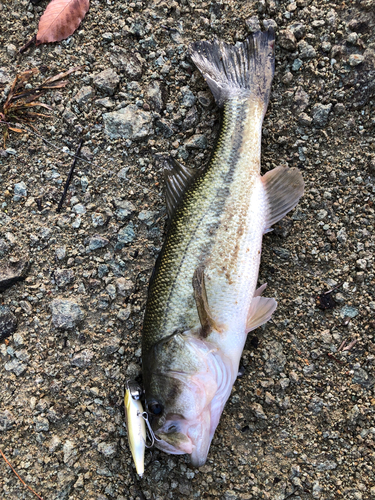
point(300, 422)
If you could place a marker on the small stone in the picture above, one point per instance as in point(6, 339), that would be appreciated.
point(327, 465)
point(8, 322)
point(205, 99)
point(66, 314)
point(128, 123)
point(79, 209)
point(63, 277)
point(326, 47)
point(306, 51)
point(269, 23)
point(82, 359)
point(253, 24)
point(97, 242)
point(18, 339)
point(124, 314)
point(84, 95)
point(356, 59)
point(322, 214)
point(54, 444)
point(15, 366)
point(12, 273)
point(339, 109)
point(4, 75)
point(133, 370)
point(258, 411)
point(126, 234)
point(111, 289)
point(269, 398)
point(109, 450)
point(41, 424)
point(275, 358)
point(316, 405)
point(20, 189)
point(69, 451)
point(154, 96)
point(350, 311)
point(124, 286)
point(26, 306)
point(123, 173)
point(342, 236)
point(102, 270)
point(97, 219)
point(287, 40)
point(188, 98)
point(284, 383)
point(12, 50)
point(77, 222)
point(320, 114)
point(297, 64)
point(293, 377)
point(298, 30)
point(196, 142)
point(106, 81)
point(301, 99)
point(60, 253)
point(6, 420)
point(304, 120)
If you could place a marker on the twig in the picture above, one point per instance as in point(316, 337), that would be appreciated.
point(349, 346)
point(22, 481)
point(27, 45)
point(70, 175)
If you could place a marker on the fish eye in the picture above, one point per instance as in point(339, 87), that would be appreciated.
point(155, 408)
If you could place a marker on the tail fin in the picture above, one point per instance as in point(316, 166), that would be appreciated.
point(242, 70)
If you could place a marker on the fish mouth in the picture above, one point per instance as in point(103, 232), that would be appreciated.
point(178, 437)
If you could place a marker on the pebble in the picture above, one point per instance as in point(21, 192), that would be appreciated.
point(84, 95)
point(97, 242)
point(106, 81)
point(287, 40)
point(128, 123)
point(109, 450)
point(274, 357)
point(66, 314)
point(20, 191)
point(356, 59)
point(306, 51)
point(82, 359)
point(97, 219)
point(8, 322)
point(124, 313)
point(304, 120)
point(63, 277)
point(258, 411)
point(320, 114)
point(13, 272)
point(126, 234)
point(60, 253)
point(198, 141)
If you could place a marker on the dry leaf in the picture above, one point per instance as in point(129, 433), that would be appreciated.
point(60, 20)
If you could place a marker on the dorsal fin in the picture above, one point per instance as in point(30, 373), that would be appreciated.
point(178, 178)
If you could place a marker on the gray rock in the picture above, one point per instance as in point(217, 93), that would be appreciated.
point(301, 100)
point(79, 209)
point(102, 270)
point(126, 234)
point(356, 59)
point(165, 127)
point(129, 123)
point(297, 64)
point(97, 242)
point(84, 95)
point(41, 424)
point(65, 481)
point(188, 98)
point(327, 465)
point(131, 63)
point(15, 366)
point(4, 75)
point(83, 358)
point(123, 174)
point(339, 109)
point(275, 358)
point(6, 420)
point(124, 314)
point(13, 272)
point(20, 191)
point(4, 248)
point(258, 411)
point(60, 252)
point(109, 450)
point(106, 81)
point(97, 219)
point(12, 50)
point(320, 114)
point(298, 30)
point(133, 370)
point(349, 311)
point(205, 99)
point(342, 236)
point(154, 96)
point(70, 452)
point(253, 24)
point(66, 314)
point(8, 322)
point(316, 405)
point(63, 277)
point(124, 286)
point(287, 40)
point(196, 142)
point(191, 119)
point(362, 378)
point(304, 120)
point(306, 51)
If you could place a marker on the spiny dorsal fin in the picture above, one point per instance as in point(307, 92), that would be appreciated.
point(207, 321)
point(284, 187)
point(178, 178)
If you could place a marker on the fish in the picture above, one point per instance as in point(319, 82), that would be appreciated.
point(203, 298)
point(135, 425)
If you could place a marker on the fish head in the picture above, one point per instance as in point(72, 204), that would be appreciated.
point(182, 404)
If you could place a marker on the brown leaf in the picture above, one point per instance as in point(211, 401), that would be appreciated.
point(60, 20)
point(15, 129)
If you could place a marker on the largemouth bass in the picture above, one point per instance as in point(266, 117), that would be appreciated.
point(202, 298)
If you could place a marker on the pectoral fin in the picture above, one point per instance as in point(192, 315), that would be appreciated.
point(284, 187)
point(207, 321)
point(261, 310)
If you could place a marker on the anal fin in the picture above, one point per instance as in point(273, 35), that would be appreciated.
point(284, 187)
point(260, 311)
point(200, 294)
